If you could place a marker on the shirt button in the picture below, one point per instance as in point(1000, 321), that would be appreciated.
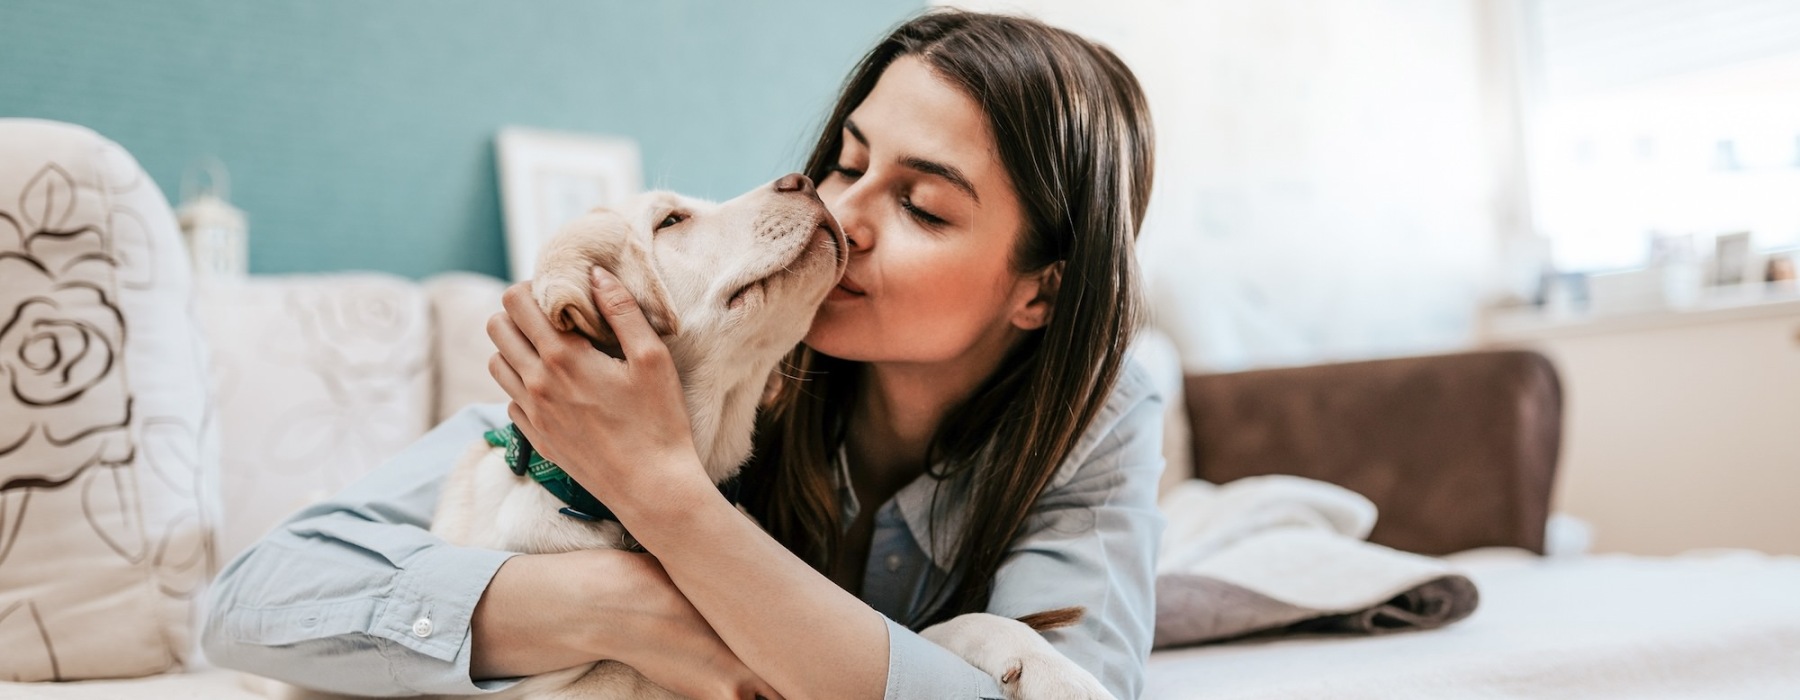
point(893, 563)
point(422, 627)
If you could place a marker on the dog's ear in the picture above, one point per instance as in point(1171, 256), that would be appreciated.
point(564, 284)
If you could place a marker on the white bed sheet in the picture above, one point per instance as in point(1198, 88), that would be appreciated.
point(1724, 625)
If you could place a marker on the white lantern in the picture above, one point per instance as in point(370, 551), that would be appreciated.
point(215, 232)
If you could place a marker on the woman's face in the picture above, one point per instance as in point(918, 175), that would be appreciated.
point(932, 218)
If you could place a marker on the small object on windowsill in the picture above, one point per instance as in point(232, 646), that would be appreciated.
point(1754, 300)
point(1778, 273)
point(1733, 261)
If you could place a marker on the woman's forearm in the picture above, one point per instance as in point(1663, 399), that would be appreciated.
point(801, 632)
point(535, 617)
point(548, 612)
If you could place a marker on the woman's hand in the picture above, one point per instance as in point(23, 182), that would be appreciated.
point(619, 427)
point(547, 612)
point(673, 646)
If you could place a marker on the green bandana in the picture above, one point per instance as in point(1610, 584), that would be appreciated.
point(581, 505)
point(525, 461)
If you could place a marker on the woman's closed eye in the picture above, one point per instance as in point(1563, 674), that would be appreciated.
point(923, 217)
point(846, 171)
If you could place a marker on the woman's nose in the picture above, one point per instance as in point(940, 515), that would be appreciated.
point(846, 207)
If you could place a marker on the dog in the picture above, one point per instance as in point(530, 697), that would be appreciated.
point(731, 288)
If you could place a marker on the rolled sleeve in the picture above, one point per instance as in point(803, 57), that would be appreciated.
point(919, 669)
point(356, 595)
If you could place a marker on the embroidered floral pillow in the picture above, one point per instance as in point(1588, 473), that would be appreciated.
point(106, 447)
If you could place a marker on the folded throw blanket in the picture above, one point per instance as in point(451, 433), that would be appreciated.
point(1283, 553)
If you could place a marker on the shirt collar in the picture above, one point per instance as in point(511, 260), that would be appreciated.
point(915, 504)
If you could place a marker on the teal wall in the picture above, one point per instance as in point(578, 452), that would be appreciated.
point(359, 135)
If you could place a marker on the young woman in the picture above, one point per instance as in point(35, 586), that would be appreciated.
point(960, 432)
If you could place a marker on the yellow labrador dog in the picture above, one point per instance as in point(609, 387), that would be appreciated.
point(732, 288)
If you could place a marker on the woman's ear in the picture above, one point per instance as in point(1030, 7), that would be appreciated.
point(1036, 297)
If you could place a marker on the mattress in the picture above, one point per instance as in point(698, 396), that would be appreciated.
point(1725, 625)
point(1718, 625)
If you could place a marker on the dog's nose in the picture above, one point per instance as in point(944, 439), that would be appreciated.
point(794, 182)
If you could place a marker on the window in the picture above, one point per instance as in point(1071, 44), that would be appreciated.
point(1671, 119)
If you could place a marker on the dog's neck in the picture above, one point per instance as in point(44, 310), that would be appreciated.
point(724, 431)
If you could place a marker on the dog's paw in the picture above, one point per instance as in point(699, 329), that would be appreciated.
point(1038, 676)
point(1019, 659)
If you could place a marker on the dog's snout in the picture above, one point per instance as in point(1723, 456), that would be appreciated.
point(794, 182)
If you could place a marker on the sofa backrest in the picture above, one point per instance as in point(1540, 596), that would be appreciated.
point(1457, 451)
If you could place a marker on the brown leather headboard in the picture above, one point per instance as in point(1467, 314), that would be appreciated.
point(1457, 451)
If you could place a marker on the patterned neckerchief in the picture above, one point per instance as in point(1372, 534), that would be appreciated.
point(578, 503)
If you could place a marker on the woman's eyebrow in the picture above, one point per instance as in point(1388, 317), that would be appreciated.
point(948, 172)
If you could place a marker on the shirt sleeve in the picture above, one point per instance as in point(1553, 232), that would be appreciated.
point(355, 594)
point(1090, 542)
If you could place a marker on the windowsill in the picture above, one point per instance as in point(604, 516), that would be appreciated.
point(1510, 326)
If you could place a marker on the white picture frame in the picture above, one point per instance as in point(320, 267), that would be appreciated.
point(548, 178)
point(1734, 263)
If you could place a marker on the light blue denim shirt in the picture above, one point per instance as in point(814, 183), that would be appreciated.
point(355, 595)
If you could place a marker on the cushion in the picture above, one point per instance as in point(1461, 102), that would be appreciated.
point(319, 378)
point(107, 448)
point(461, 303)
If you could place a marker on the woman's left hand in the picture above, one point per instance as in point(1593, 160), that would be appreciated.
point(611, 424)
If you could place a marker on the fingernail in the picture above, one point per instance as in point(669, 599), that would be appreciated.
point(602, 279)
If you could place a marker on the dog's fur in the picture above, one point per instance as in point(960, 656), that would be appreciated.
point(732, 288)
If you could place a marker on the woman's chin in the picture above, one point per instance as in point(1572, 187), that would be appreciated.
point(820, 340)
point(828, 336)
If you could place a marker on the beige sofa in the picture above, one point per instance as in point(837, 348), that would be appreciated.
point(313, 380)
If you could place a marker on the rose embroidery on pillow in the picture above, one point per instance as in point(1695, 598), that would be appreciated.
point(61, 347)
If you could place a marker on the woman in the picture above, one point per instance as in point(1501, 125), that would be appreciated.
point(960, 432)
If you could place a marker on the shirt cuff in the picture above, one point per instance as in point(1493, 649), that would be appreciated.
point(429, 610)
point(919, 669)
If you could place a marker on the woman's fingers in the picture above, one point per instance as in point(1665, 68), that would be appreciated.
point(507, 377)
point(521, 419)
point(528, 317)
point(621, 312)
point(514, 348)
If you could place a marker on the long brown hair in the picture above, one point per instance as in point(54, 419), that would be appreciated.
point(1074, 135)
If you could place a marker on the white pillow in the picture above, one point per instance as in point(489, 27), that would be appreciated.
point(107, 447)
point(319, 379)
point(461, 303)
